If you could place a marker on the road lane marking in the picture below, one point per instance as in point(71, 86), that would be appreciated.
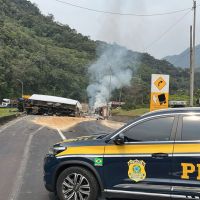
point(61, 134)
point(11, 123)
point(20, 174)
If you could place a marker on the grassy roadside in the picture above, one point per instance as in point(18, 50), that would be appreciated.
point(130, 113)
point(7, 111)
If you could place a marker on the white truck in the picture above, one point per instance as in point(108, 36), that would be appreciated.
point(5, 103)
point(52, 105)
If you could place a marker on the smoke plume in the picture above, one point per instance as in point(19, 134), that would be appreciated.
point(114, 67)
point(111, 71)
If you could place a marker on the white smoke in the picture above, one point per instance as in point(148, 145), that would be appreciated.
point(111, 71)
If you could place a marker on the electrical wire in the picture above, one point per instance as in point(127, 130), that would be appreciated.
point(168, 30)
point(137, 15)
point(123, 14)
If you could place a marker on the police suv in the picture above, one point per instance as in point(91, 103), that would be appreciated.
point(156, 156)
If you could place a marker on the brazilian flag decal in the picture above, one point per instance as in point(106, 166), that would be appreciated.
point(98, 162)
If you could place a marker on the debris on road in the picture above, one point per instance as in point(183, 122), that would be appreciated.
point(112, 124)
point(61, 123)
point(64, 123)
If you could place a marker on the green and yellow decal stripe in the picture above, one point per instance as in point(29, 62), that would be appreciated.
point(138, 149)
point(187, 148)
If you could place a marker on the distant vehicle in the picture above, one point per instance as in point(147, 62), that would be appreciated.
point(103, 111)
point(6, 103)
point(9, 103)
point(177, 104)
point(116, 104)
point(52, 105)
point(156, 156)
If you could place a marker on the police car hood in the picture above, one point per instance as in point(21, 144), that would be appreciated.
point(82, 141)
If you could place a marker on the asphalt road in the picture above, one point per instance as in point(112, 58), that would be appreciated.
point(23, 146)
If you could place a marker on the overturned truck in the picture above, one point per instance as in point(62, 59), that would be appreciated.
point(52, 105)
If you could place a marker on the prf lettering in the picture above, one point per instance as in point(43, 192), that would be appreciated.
point(188, 169)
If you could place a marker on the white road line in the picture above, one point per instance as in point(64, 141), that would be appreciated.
point(11, 123)
point(61, 134)
point(19, 179)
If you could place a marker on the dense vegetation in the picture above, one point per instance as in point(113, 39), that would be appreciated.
point(52, 58)
point(47, 56)
point(8, 111)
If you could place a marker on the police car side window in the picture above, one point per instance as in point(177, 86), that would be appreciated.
point(152, 130)
point(191, 128)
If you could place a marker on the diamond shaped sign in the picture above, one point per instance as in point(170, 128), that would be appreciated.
point(160, 83)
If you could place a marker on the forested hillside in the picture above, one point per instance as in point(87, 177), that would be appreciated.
point(42, 53)
point(52, 58)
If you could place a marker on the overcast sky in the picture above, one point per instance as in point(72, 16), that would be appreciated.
point(136, 33)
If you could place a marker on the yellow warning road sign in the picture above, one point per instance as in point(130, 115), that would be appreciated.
point(159, 100)
point(159, 91)
point(160, 83)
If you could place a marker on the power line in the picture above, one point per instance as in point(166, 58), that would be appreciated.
point(168, 30)
point(122, 14)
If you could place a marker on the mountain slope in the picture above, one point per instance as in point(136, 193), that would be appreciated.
point(47, 56)
point(51, 58)
point(183, 59)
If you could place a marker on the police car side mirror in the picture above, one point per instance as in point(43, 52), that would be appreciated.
point(119, 140)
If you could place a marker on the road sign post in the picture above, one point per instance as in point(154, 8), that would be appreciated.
point(159, 92)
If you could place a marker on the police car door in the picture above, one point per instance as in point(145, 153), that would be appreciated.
point(142, 165)
point(186, 158)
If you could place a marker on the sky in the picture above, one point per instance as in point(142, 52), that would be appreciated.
point(159, 36)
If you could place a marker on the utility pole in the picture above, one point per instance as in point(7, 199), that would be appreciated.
point(110, 83)
point(22, 84)
point(191, 69)
point(120, 95)
point(193, 57)
point(54, 91)
point(108, 110)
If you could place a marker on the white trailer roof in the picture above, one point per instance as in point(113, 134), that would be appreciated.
point(54, 99)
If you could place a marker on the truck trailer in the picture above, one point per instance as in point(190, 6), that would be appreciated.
point(52, 105)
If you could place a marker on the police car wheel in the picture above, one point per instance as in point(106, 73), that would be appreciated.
point(77, 183)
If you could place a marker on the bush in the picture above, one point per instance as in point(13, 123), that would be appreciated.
point(129, 106)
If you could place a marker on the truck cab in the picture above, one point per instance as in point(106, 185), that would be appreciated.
point(6, 103)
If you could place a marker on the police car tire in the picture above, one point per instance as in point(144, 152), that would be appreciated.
point(94, 187)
